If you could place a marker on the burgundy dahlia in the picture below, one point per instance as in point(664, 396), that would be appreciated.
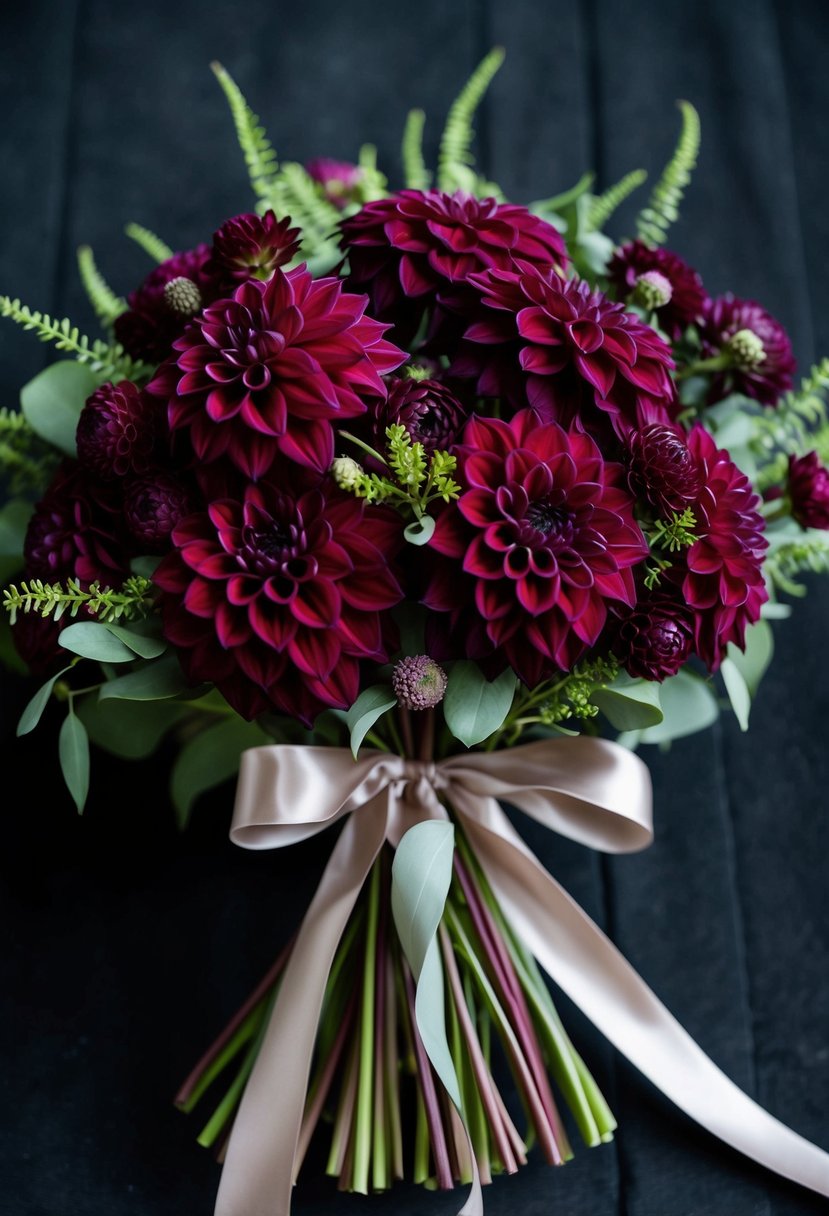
point(76, 531)
point(340, 179)
point(560, 347)
point(634, 261)
point(809, 490)
point(541, 540)
point(268, 372)
point(154, 504)
point(416, 250)
point(251, 247)
point(153, 321)
point(655, 638)
point(276, 597)
point(35, 639)
point(754, 347)
point(116, 431)
point(427, 409)
point(724, 584)
point(662, 469)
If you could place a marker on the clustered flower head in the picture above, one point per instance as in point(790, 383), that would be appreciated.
point(659, 282)
point(418, 682)
point(753, 348)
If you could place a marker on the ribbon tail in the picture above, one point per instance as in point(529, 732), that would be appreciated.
point(257, 1178)
point(593, 973)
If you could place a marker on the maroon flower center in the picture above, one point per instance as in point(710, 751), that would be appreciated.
point(277, 550)
point(551, 520)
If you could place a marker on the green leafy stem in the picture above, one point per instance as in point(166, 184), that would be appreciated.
point(130, 602)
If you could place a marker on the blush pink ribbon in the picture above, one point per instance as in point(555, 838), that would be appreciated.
point(588, 790)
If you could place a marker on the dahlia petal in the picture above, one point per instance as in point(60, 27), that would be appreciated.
point(315, 651)
point(317, 605)
point(200, 598)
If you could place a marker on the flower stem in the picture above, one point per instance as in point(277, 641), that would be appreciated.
point(365, 1087)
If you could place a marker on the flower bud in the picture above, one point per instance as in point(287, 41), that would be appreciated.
point(346, 472)
point(746, 349)
point(652, 291)
point(418, 682)
point(182, 297)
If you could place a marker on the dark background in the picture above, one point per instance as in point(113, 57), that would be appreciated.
point(128, 945)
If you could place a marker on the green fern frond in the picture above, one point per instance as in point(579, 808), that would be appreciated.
point(560, 202)
point(258, 152)
point(663, 208)
point(455, 153)
point(373, 183)
point(808, 553)
point(603, 205)
point(152, 245)
point(106, 303)
point(109, 360)
point(26, 461)
point(800, 421)
point(415, 173)
point(295, 193)
point(133, 601)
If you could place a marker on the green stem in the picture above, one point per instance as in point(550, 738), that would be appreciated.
point(225, 1109)
point(365, 446)
point(365, 1084)
point(719, 363)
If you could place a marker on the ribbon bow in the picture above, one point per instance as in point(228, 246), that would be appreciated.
point(589, 790)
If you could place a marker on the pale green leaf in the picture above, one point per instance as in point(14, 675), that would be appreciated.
point(14, 519)
point(53, 400)
point(73, 750)
point(156, 681)
point(131, 729)
point(629, 704)
point(34, 710)
point(737, 690)
point(92, 640)
point(753, 662)
point(474, 707)
point(688, 706)
point(371, 704)
point(210, 758)
point(420, 531)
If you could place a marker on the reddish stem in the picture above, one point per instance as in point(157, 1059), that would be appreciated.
point(323, 1083)
point(440, 1152)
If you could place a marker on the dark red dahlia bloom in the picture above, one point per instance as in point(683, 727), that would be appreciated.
point(429, 411)
point(545, 537)
point(76, 531)
point(117, 430)
point(655, 638)
point(267, 372)
point(809, 490)
point(723, 585)
point(687, 294)
point(340, 179)
point(755, 346)
point(154, 504)
point(251, 247)
point(152, 322)
point(415, 250)
point(35, 639)
point(276, 597)
point(558, 346)
point(662, 469)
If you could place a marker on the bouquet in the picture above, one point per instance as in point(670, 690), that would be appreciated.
point(402, 504)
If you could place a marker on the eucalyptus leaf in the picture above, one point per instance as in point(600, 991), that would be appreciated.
point(369, 706)
point(737, 690)
point(208, 759)
point(146, 643)
point(155, 681)
point(130, 729)
point(474, 706)
point(629, 704)
point(73, 751)
point(34, 710)
point(420, 531)
point(688, 706)
point(753, 662)
point(14, 520)
point(92, 640)
point(53, 400)
point(421, 876)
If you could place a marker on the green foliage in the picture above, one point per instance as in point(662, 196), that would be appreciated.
point(663, 207)
point(474, 707)
point(292, 191)
point(258, 152)
point(373, 183)
point(800, 420)
point(676, 533)
point(790, 557)
point(34, 710)
point(26, 461)
point(158, 680)
point(369, 707)
point(130, 729)
point(688, 705)
point(455, 156)
point(603, 205)
point(559, 203)
point(415, 173)
point(109, 361)
point(629, 704)
point(152, 245)
point(52, 402)
point(570, 697)
point(130, 602)
point(109, 643)
point(208, 759)
point(73, 753)
point(105, 302)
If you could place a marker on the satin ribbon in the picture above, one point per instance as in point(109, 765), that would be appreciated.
point(589, 790)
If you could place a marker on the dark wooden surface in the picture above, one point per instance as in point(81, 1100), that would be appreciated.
point(127, 945)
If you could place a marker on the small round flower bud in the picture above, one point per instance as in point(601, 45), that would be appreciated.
point(746, 349)
point(346, 472)
point(652, 291)
point(182, 297)
point(418, 682)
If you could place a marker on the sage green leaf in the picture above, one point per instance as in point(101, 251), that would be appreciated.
point(688, 706)
point(130, 729)
point(210, 758)
point(73, 751)
point(156, 681)
point(14, 519)
point(92, 640)
point(144, 642)
point(34, 710)
point(753, 662)
point(420, 879)
point(420, 531)
point(474, 706)
point(629, 704)
point(369, 706)
point(53, 400)
point(737, 690)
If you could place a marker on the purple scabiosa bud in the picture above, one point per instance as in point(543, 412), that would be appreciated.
point(418, 682)
point(809, 490)
point(431, 414)
point(662, 468)
point(154, 504)
point(116, 431)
